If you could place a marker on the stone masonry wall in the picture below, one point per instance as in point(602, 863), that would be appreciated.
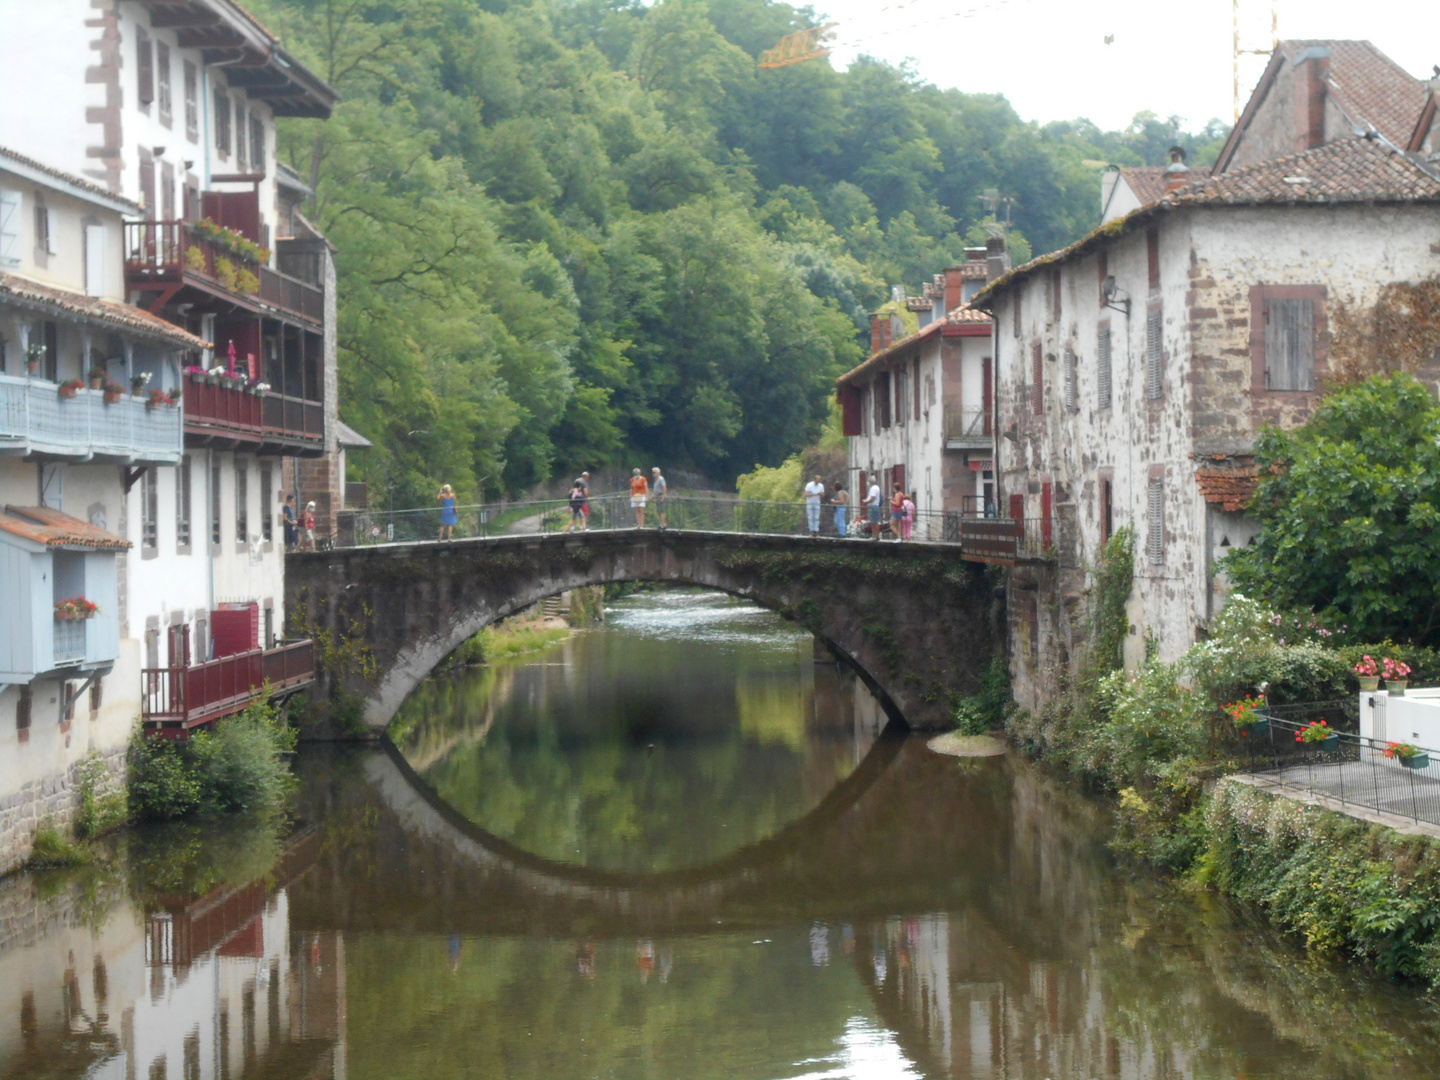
point(52, 800)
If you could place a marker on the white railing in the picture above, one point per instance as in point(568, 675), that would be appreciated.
point(34, 418)
point(69, 641)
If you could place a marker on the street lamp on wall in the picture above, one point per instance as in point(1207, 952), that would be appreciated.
point(1115, 297)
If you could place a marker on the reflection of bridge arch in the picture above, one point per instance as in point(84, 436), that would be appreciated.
point(916, 621)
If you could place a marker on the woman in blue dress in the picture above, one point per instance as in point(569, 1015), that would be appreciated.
point(448, 520)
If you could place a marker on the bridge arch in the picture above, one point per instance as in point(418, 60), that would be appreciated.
point(917, 622)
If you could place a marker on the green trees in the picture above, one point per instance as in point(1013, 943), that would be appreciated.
point(572, 230)
point(1350, 504)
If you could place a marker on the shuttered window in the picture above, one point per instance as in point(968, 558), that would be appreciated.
point(222, 121)
point(257, 145)
point(242, 502)
point(1037, 377)
point(149, 510)
point(144, 67)
point(1102, 368)
point(1154, 372)
point(1071, 375)
point(1289, 344)
point(1155, 522)
point(192, 102)
point(162, 72)
point(9, 228)
point(182, 503)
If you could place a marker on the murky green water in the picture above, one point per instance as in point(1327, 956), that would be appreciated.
point(676, 847)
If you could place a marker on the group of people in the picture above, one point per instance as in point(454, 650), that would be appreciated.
point(901, 506)
point(642, 492)
point(299, 528)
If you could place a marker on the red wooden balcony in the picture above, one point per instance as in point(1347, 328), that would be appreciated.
point(164, 256)
point(176, 700)
point(216, 414)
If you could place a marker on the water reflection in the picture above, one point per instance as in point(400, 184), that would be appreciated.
point(693, 725)
point(925, 918)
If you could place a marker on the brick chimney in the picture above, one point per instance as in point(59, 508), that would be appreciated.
point(876, 335)
point(954, 287)
point(1177, 173)
point(1311, 75)
point(997, 257)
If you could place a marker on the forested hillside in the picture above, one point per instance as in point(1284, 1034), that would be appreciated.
point(579, 232)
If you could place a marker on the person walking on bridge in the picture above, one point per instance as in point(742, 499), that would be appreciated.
point(840, 500)
point(814, 490)
point(577, 507)
point(639, 491)
point(872, 509)
point(658, 490)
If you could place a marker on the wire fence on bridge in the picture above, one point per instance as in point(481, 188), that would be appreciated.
point(984, 537)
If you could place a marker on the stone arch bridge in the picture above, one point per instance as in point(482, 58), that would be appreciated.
point(918, 622)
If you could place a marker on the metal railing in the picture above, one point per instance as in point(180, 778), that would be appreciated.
point(987, 539)
point(1347, 767)
point(35, 419)
point(967, 422)
point(70, 641)
point(176, 699)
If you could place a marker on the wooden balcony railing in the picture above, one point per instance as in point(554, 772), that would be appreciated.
point(294, 419)
point(218, 410)
point(175, 700)
point(159, 251)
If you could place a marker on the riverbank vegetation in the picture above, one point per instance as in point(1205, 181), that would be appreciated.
point(1158, 741)
point(570, 232)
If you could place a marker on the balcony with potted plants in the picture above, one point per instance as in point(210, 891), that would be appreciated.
point(88, 420)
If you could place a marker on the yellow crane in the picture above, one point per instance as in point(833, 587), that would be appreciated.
point(796, 48)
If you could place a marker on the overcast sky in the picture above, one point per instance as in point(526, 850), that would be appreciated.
point(1050, 58)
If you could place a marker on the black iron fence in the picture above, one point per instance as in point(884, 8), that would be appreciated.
point(1286, 747)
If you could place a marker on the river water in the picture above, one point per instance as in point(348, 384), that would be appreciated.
point(685, 845)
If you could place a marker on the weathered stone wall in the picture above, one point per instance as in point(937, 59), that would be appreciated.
point(51, 800)
point(917, 621)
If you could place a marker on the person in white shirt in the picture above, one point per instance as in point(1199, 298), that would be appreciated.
point(872, 510)
point(814, 491)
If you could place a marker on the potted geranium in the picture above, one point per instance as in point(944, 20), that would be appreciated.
point(1318, 732)
point(1245, 714)
point(1397, 675)
point(156, 399)
point(34, 353)
point(77, 607)
point(1409, 755)
point(138, 382)
point(113, 392)
point(1368, 672)
point(70, 387)
point(173, 396)
point(97, 377)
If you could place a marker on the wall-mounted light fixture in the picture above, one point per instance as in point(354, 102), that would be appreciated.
point(1115, 297)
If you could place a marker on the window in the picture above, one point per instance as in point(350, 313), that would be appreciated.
point(144, 68)
point(1071, 374)
point(215, 502)
point(222, 121)
point(1037, 379)
point(915, 385)
point(1155, 521)
point(1055, 295)
point(1289, 344)
point(149, 511)
point(1102, 268)
point(147, 184)
point(9, 228)
point(192, 102)
point(269, 638)
point(242, 503)
point(22, 713)
point(182, 504)
point(47, 229)
point(52, 485)
point(1015, 311)
point(1107, 511)
point(1152, 256)
point(242, 137)
point(1154, 371)
point(162, 72)
point(167, 192)
point(1102, 367)
point(898, 379)
point(267, 510)
point(97, 696)
point(882, 387)
point(257, 145)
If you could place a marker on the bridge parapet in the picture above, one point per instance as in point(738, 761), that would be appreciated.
point(919, 622)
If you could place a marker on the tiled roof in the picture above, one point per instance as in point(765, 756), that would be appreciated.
point(43, 525)
point(1229, 488)
point(1148, 181)
point(961, 316)
point(967, 314)
point(93, 309)
point(1368, 86)
point(86, 186)
point(1347, 170)
point(973, 271)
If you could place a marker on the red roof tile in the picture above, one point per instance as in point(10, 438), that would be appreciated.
point(1368, 86)
point(93, 309)
point(56, 530)
point(960, 316)
point(967, 314)
point(1229, 488)
point(1347, 170)
point(1148, 181)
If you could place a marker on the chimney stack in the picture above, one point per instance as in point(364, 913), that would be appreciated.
point(876, 334)
point(1177, 173)
point(1310, 91)
point(954, 287)
point(997, 256)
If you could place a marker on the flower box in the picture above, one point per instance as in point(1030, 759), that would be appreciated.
point(69, 389)
point(74, 609)
point(1416, 761)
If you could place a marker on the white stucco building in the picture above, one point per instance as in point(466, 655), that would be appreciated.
point(1137, 366)
point(918, 411)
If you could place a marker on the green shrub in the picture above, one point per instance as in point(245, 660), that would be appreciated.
point(97, 814)
point(52, 849)
point(240, 766)
point(984, 710)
